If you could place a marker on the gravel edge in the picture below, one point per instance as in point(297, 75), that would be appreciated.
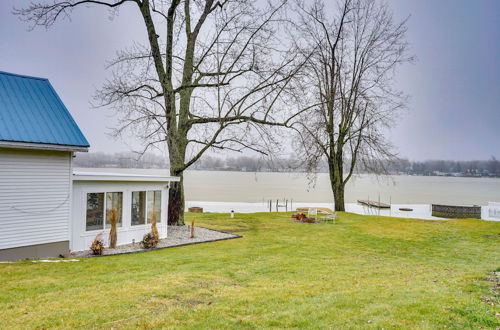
point(233, 236)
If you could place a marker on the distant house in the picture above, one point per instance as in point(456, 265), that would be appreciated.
point(46, 210)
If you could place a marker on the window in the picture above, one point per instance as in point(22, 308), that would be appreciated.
point(96, 204)
point(144, 205)
point(138, 208)
point(114, 200)
point(95, 211)
point(154, 205)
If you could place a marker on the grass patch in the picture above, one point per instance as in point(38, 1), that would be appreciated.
point(362, 272)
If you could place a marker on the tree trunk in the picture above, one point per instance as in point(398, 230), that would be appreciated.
point(176, 201)
point(336, 170)
point(337, 189)
point(338, 195)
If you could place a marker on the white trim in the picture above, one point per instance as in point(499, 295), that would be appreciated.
point(70, 223)
point(41, 146)
point(103, 176)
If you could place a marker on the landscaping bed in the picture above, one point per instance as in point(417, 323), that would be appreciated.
point(177, 236)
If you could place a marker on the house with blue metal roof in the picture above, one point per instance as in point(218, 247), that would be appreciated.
point(33, 116)
point(37, 139)
point(47, 209)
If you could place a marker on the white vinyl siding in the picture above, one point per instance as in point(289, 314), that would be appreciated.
point(35, 197)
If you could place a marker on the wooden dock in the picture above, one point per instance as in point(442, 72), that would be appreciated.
point(374, 204)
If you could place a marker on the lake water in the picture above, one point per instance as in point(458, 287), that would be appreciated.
point(249, 192)
point(401, 189)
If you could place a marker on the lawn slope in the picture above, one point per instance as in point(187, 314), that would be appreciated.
point(362, 272)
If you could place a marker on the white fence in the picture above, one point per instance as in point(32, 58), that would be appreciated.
point(494, 210)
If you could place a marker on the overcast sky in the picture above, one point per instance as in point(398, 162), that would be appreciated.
point(454, 111)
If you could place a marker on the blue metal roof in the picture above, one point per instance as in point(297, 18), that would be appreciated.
point(32, 112)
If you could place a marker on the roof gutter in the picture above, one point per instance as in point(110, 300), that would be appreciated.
point(41, 146)
point(96, 176)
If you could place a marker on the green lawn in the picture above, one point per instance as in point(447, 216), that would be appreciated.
point(363, 272)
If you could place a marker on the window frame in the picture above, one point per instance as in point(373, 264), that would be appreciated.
point(146, 209)
point(105, 210)
point(87, 209)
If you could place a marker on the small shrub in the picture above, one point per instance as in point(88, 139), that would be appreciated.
point(149, 241)
point(154, 229)
point(298, 216)
point(192, 228)
point(301, 217)
point(97, 245)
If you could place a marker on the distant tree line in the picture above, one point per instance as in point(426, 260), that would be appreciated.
point(248, 164)
point(119, 160)
point(489, 167)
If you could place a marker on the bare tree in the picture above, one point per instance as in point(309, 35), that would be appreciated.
point(211, 73)
point(350, 76)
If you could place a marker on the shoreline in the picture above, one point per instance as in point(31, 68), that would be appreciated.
point(419, 211)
